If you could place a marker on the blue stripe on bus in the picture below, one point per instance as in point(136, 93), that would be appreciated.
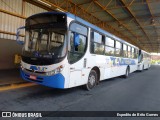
point(55, 81)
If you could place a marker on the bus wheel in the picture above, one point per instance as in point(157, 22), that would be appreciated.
point(92, 80)
point(127, 73)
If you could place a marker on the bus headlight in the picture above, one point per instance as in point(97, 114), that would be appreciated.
point(55, 71)
point(22, 67)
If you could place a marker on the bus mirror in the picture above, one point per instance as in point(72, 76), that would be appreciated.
point(21, 42)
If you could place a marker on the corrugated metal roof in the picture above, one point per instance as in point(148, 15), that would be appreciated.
point(136, 21)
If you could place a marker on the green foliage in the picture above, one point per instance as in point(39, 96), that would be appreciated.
point(99, 49)
point(155, 62)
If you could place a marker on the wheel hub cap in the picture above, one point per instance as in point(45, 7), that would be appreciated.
point(92, 80)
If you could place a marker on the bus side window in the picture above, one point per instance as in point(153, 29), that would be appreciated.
point(97, 43)
point(133, 49)
point(129, 51)
point(118, 47)
point(136, 53)
point(125, 53)
point(109, 46)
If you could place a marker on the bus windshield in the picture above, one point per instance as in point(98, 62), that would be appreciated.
point(45, 43)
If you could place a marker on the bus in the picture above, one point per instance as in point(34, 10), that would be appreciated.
point(62, 50)
point(144, 60)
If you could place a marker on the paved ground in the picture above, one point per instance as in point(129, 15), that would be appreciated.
point(139, 92)
point(10, 77)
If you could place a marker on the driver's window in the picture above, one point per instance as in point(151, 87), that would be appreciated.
point(71, 42)
point(77, 46)
point(78, 42)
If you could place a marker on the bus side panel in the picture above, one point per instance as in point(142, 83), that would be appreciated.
point(101, 64)
point(134, 67)
point(96, 61)
point(118, 65)
point(107, 72)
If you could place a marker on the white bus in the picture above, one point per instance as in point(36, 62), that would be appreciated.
point(144, 60)
point(62, 50)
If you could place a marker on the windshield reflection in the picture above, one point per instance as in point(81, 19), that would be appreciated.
point(45, 43)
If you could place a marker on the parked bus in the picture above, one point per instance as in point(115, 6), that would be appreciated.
point(62, 50)
point(144, 60)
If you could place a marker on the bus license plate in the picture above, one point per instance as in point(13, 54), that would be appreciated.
point(32, 77)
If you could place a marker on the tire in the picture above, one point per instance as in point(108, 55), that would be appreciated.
point(127, 73)
point(92, 80)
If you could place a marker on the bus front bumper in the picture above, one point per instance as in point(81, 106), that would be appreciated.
point(54, 81)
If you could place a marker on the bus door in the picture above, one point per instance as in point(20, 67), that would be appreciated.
point(77, 50)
